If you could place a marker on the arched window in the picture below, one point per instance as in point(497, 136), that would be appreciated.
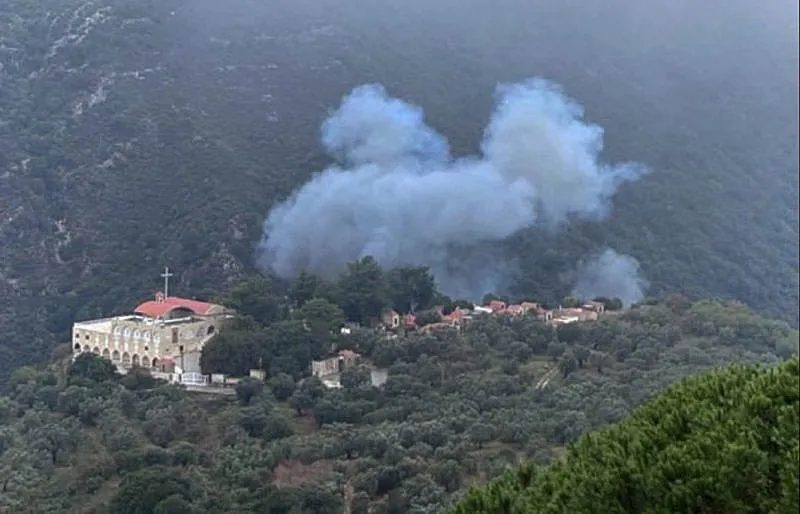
point(137, 334)
point(117, 330)
point(147, 336)
point(115, 356)
point(126, 359)
point(155, 362)
point(145, 361)
point(135, 360)
point(126, 332)
point(106, 354)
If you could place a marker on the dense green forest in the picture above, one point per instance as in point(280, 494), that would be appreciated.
point(136, 134)
point(722, 442)
point(458, 408)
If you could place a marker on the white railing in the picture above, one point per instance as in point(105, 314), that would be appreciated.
point(192, 379)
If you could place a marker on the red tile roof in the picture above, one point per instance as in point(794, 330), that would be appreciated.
point(497, 305)
point(157, 309)
point(515, 309)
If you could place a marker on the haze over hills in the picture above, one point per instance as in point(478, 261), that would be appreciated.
point(138, 134)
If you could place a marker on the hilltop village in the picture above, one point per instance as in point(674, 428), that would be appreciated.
point(394, 324)
point(166, 336)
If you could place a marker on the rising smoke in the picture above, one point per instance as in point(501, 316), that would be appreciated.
point(611, 275)
point(398, 195)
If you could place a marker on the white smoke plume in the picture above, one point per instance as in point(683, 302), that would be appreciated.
point(611, 275)
point(398, 195)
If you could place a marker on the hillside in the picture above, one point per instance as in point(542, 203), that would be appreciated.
point(722, 442)
point(457, 410)
point(138, 134)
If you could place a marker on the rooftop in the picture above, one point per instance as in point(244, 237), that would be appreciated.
point(162, 306)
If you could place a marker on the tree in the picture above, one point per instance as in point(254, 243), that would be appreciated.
point(567, 363)
point(569, 302)
point(234, 352)
point(142, 491)
point(354, 378)
point(93, 368)
point(481, 433)
point(303, 288)
point(55, 439)
point(282, 386)
point(291, 347)
point(247, 389)
point(323, 318)
point(174, 504)
point(428, 317)
point(301, 401)
point(411, 288)
point(581, 354)
point(256, 298)
point(139, 379)
point(363, 291)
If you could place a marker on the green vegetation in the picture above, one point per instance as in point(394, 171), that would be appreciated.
point(723, 442)
point(458, 408)
point(139, 139)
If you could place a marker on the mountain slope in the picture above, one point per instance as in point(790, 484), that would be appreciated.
point(137, 134)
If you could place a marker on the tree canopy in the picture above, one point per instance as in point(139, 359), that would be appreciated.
point(723, 442)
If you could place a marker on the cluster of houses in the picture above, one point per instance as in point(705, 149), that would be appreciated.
point(329, 370)
point(394, 321)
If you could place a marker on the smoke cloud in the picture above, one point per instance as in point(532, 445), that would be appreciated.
point(398, 195)
point(611, 275)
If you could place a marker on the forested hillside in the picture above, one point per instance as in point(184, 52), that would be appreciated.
point(722, 442)
point(136, 134)
point(458, 408)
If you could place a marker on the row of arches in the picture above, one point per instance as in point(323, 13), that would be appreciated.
point(127, 360)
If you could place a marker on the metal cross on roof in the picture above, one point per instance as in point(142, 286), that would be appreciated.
point(166, 276)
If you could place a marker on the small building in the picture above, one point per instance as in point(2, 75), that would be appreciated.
point(497, 305)
point(345, 359)
point(597, 307)
point(391, 319)
point(571, 315)
point(514, 310)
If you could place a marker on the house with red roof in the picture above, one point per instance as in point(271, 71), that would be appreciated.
point(391, 319)
point(497, 306)
point(165, 335)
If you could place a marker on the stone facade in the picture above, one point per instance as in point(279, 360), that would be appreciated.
point(169, 340)
point(345, 359)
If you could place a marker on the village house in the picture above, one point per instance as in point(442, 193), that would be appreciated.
point(409, 322)
point(597, 307)
point(572, 315)
point(496, 306)
point(165, 335)
point(344, 359)
point(391, 319)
